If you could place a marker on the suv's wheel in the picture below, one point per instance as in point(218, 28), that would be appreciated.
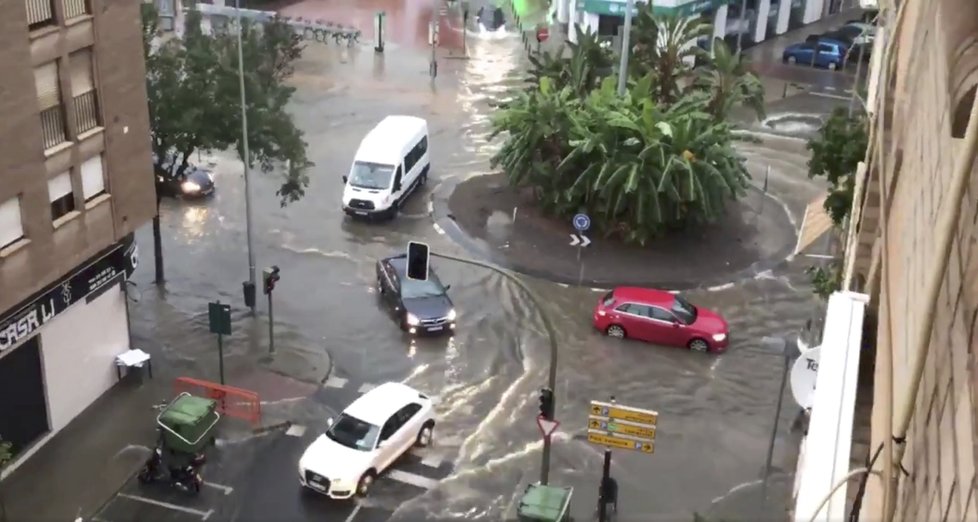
point(833, 66)
point(699, 345)
point(366, 481)
point(615, 331)
point(426, 435)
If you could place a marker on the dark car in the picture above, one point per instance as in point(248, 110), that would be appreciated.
point(822, 52)
point(194, 182)
point(419, 306)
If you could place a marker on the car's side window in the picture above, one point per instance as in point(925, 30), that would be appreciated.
point(660, 314)
point(405, 413)
point(397, 176)
point(627, 308)
point(390, 427)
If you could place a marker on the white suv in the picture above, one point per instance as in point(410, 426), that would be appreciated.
point(365, 439)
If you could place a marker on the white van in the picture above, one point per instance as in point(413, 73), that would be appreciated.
point(390, 163)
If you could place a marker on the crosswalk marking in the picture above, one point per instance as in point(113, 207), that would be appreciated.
point(296, 430)
point(412, 479)
point(336, 382)
point(365, 387)
point(429, 458)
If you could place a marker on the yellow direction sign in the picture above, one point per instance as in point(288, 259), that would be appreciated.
point(605, 424)
point(625, 413)
point(606, 439)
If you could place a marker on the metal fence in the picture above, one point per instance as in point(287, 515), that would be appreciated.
point(86, 111)
point(39, 13)
point(75, 8)
point(53, 126)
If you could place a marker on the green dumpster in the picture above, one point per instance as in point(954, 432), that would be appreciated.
point(187, 423)
point(545, 504)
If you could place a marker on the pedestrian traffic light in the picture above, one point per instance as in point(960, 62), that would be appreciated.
point(417, 260)
point(249, 293)
point(547, 403)
point(270, 277)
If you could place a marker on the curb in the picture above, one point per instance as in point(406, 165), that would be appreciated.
point(271, 427)
point(444, 222)
point(329, 371)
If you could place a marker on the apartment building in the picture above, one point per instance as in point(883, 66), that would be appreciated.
point(912, 256)
point(75, 182)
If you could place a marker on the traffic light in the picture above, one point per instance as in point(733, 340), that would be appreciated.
point(417, 260)
point(547, 403)
point(269, 278)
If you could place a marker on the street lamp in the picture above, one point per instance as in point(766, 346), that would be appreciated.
point(788, 351)
point(249, 285)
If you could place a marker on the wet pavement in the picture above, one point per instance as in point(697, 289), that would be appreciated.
point(715, 411)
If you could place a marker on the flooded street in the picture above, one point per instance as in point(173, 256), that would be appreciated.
point(715, 412)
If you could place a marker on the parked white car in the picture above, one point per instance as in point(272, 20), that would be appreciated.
point(366, 439)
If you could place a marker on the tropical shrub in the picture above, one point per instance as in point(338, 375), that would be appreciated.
point(836, 150)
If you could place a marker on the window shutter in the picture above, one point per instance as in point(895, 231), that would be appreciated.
point(81, 72)
point(46, 81)
point(11, 228)
point(59, 186)
point(93, 177)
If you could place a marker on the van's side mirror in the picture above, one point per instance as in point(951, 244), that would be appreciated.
point(344, 180)
point(397, 186)
point(448, 287)
point(329, 421)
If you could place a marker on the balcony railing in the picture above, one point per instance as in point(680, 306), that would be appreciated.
point(52, 126)
point(39, 13)
point(74, 8)
point(86, 111)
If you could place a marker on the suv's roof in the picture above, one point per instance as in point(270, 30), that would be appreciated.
point(378, 404)
point(648, 296)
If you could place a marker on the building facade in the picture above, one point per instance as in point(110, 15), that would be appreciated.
point(75, 183)
point(912, 251)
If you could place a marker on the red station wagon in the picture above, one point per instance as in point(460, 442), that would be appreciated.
point(659, 317)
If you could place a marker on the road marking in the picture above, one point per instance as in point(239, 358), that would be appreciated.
point(365, 387)
point(431, 207)
point(336, 382)
point(353, 514)
point(96, 518)
point(433, 460)
point(412, 479)
point(226, 489)
point(593, 289)
point(296, 430)
point(438, 229)
point(204, 515)
point(827, 95)
point(717, 288)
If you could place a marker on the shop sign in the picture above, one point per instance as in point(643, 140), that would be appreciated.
point(617, 7)
point(87, 283)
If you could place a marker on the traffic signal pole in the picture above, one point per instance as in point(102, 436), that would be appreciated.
point(270, 276)
point(551, 334)
point(271, 325)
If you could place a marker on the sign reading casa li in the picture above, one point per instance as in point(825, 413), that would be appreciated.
point(661, 7)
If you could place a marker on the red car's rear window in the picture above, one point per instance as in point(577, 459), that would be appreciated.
point(608, 298)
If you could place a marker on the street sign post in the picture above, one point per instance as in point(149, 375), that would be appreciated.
point(547, 426)
point(581, 222)
point(613, 425)
point(219, 321)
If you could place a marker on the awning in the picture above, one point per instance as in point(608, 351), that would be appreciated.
point(814, 225)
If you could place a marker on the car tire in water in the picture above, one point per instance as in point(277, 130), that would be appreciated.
point(833, 66)
point(699, 345)
point(616, 331)
point(366, 481)
point(792, 60)
point(426, 435)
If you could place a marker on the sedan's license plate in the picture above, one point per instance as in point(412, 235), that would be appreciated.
point(360, 213)
point(435, 328)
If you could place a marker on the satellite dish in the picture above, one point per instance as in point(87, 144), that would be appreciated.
point(803, 374)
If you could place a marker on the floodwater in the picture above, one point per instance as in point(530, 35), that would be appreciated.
point(715, 412)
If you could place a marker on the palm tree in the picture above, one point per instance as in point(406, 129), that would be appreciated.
point(729, 81)
point(666, 45)
point(587, 64)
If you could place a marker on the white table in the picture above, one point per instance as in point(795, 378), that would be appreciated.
point(133, 359)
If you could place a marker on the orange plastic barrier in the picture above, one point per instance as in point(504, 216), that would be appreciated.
point(233, 402)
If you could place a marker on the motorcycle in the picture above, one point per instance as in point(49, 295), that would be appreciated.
point(186, 477)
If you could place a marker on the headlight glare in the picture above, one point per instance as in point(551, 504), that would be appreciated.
point(412, 319)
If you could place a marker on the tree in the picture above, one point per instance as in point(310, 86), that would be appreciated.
point(666, 46)
point(729, 82)
point(193, 90)
point(6, 454)
point(836, 150)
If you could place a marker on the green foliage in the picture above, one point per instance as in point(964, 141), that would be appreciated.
point(193, 88)
point(836, 151)
point(825, 280)
point(5, 454)
point(658, 159)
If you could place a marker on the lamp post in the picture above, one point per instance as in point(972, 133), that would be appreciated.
point(250, 284)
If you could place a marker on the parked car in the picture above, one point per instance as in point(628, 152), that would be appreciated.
point(860, 33)
point(194, 182)
point(823, 52)
point(365, 439)
point(419, 306)
point(659, 317)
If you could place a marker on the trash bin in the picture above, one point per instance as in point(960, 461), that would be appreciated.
point(545, 504)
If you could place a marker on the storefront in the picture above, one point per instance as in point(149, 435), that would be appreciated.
point(58, 348)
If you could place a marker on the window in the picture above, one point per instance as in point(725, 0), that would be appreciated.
point(608, 298)
point(49, 101)
point(40, 13)
point(75, 8)
point(62, 198)
point(397, 178)
point(93, 178)
point(660, 315)
point(353, 433)
point(11, 227)
point(405, 414)
point(84, 99)
point(423, 147)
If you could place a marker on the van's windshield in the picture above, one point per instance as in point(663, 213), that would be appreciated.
point(371, 175)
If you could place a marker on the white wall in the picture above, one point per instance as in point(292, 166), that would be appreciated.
point(78, 349)
point(784, 16)
point(720, 23)
point(763, 11)
point(589, 22)
point(813, 11)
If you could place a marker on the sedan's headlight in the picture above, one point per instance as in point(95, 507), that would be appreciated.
point(413, 319)
point(719, 337)
point(451, 315)
point(189, 186)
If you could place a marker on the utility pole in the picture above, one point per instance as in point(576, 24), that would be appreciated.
point(433, 36)
point(270, 276)
point(626, 48)
point(246, 160)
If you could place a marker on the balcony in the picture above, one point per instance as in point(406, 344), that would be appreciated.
point(86, 112)
point(40, 13)
point(53, 127)
point(75, 8)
